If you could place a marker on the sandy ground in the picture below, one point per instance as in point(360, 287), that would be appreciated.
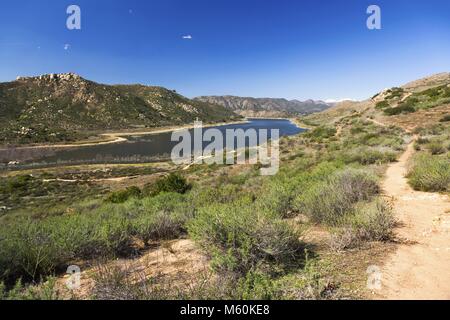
point(420, 267)
point(178, 261)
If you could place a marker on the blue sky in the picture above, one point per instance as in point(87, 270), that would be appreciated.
point(319, 49)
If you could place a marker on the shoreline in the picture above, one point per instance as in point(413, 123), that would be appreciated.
point(301, 124)
point(118, 137)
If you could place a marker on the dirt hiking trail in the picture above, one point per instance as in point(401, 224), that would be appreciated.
point(420, 267)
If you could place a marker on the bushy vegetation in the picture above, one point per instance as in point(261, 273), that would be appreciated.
point(382, 105)
point(240, 239)
point(173, 183)
point(430, 173)
point(445, 118)
point(436, 147)
point(429, 170)
point(50, 110)
point(46, 291)
point(321, 133)
point(400, 109)
point(331, 200)
point(395, 93)
point(123, 195)
point(366, 156)
point(250, 226)
point(368, 221)
point(393, 104)
point(30, 249)
point(27, 192)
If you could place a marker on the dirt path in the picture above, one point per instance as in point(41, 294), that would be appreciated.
point(420, 267)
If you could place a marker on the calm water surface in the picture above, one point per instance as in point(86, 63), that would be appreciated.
point(146, 148)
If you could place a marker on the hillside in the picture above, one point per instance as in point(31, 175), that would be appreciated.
point(357, 193)
point(65, 107)
point(417, 104)
point(266, 107)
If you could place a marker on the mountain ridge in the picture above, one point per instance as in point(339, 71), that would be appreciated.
point(277, 107)
point(66, 107)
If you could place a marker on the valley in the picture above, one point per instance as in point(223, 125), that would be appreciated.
point(338, 207)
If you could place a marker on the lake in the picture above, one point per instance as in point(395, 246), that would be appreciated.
point(142, 148)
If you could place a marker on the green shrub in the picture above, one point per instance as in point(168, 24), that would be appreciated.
point(436, 147)
point(321, 133)
point(46, 291)
point(367, 156)
point(257, 286)
point(241, 239)
point(382, 105)
point(422, 140)
point(30, 248)
point(446, 118)
point(164, 217)
point(395, 93)
point(331, 200)
point(372, 221)
point(433, 92)
point(222, 193)
point(278, 196)
point(172, 183)
point(412, 101)
point(124, 195)
point(399, 110)
point(17, 184)
point(430, 173)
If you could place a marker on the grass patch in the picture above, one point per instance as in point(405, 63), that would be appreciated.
point(30, 249)
point(429, 173)
point(124, 195)
point(240, 239)
point(401, 109)
point(332, 200)
point(369, 221)
point(321, 133)
point(172, 183)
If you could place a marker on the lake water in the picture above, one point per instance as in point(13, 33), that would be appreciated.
point(144, 148)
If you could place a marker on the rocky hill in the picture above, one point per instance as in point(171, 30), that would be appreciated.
point(64, 107)
point(266, 107)
point(428, 82)
point(419, 103)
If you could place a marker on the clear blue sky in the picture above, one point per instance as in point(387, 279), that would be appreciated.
point(318, 49)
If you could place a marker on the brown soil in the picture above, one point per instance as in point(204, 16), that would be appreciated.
point(419, 268)
point(178, 262)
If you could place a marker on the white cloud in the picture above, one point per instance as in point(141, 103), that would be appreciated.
point(67, 46)
point(187, 37)
point(338, 100)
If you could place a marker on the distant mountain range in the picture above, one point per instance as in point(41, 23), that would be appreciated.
point(65, 107)
point(266, 107)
